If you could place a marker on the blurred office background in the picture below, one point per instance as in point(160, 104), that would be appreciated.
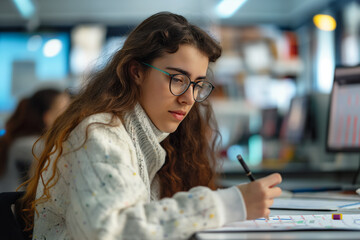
point(272, 82)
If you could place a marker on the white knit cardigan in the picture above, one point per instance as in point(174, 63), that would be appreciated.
point(107, 188)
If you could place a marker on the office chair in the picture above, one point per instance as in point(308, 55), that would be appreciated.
point(10, 227)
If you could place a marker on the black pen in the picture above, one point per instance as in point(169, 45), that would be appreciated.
point(247, 171)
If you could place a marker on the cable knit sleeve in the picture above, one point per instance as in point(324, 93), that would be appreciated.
point(100, 195)
point(107, 198)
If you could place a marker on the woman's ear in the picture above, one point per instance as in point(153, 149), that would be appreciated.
point(136, 72)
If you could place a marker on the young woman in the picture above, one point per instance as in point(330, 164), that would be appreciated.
point(132, 157)
point(32, 116)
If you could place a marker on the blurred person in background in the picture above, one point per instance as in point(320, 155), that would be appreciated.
point(31, 118)
point(134, 156)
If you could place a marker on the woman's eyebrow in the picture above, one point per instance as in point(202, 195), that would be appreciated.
point(184, 72)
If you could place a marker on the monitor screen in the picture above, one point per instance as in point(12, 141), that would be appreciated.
point(344, 111)
point(269, 128)
point(295, 124)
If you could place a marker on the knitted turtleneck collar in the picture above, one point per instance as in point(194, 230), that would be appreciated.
point(146, 139)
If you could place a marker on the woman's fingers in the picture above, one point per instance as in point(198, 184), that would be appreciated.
point(271, 180)
point(274, 192)
point(269, 203)
point(259, 195)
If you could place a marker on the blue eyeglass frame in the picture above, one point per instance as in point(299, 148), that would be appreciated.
point(191, 82)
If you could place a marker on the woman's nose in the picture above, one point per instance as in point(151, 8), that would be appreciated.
point(187, 97)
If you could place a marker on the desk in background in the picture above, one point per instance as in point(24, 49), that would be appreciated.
point(293, 178)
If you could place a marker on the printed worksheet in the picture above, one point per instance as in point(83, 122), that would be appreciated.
point(296, 222)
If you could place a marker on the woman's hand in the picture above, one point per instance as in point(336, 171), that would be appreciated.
point(259, 195)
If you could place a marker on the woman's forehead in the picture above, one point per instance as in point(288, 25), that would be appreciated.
point(187, 58)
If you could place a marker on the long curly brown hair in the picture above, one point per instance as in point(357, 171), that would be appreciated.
point(190, 149)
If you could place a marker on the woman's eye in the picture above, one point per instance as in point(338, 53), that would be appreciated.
point(178, 80)
point(200, 85)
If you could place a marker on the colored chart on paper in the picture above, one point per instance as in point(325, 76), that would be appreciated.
point(295, 222)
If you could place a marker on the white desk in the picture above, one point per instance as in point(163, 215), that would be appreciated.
point(284, 234)
point(288, 183)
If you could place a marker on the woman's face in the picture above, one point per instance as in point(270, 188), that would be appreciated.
point(165, 110)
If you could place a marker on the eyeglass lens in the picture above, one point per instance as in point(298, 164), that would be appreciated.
point(180, 83)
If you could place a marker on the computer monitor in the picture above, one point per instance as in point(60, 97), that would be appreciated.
point(296, 120)
point(270, 127)
point(343, 133)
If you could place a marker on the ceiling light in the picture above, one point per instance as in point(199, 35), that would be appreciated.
point(52, 48)
point(34, 43)
point(25, 7)
point(324, 22)
point(226, 8)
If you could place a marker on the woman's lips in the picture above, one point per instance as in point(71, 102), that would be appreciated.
point(178, 115)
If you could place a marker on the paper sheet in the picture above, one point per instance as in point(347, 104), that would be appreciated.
point(340, 195)
point(295, 222)
point(314, 204)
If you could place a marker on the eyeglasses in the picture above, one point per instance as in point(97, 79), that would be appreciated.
point(180, 83)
